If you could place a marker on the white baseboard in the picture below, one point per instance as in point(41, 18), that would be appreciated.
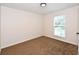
point(31, 39)
point(20, 42)
point(61, 40)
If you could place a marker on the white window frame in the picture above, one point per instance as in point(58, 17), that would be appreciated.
point(64, 26)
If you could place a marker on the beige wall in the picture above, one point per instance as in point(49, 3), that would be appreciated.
point(71, 24)
point(78, 30)
point(19, 26)
point(0, 28)
point(78, 20)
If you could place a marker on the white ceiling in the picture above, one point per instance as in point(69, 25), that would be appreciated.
point(35, 7)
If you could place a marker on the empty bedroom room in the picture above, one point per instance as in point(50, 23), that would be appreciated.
point(39, 28)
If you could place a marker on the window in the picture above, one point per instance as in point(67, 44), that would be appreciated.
point(59, 26)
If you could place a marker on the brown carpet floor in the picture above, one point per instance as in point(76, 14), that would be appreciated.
point(41, 46)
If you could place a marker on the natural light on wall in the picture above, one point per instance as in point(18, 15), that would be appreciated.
point(59, 26)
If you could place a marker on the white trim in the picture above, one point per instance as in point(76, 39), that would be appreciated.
point(62, 40)
point(34, 38)
point(20, 42)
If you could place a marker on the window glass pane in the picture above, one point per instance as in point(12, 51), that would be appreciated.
point(59, 21)
point(59, 31)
